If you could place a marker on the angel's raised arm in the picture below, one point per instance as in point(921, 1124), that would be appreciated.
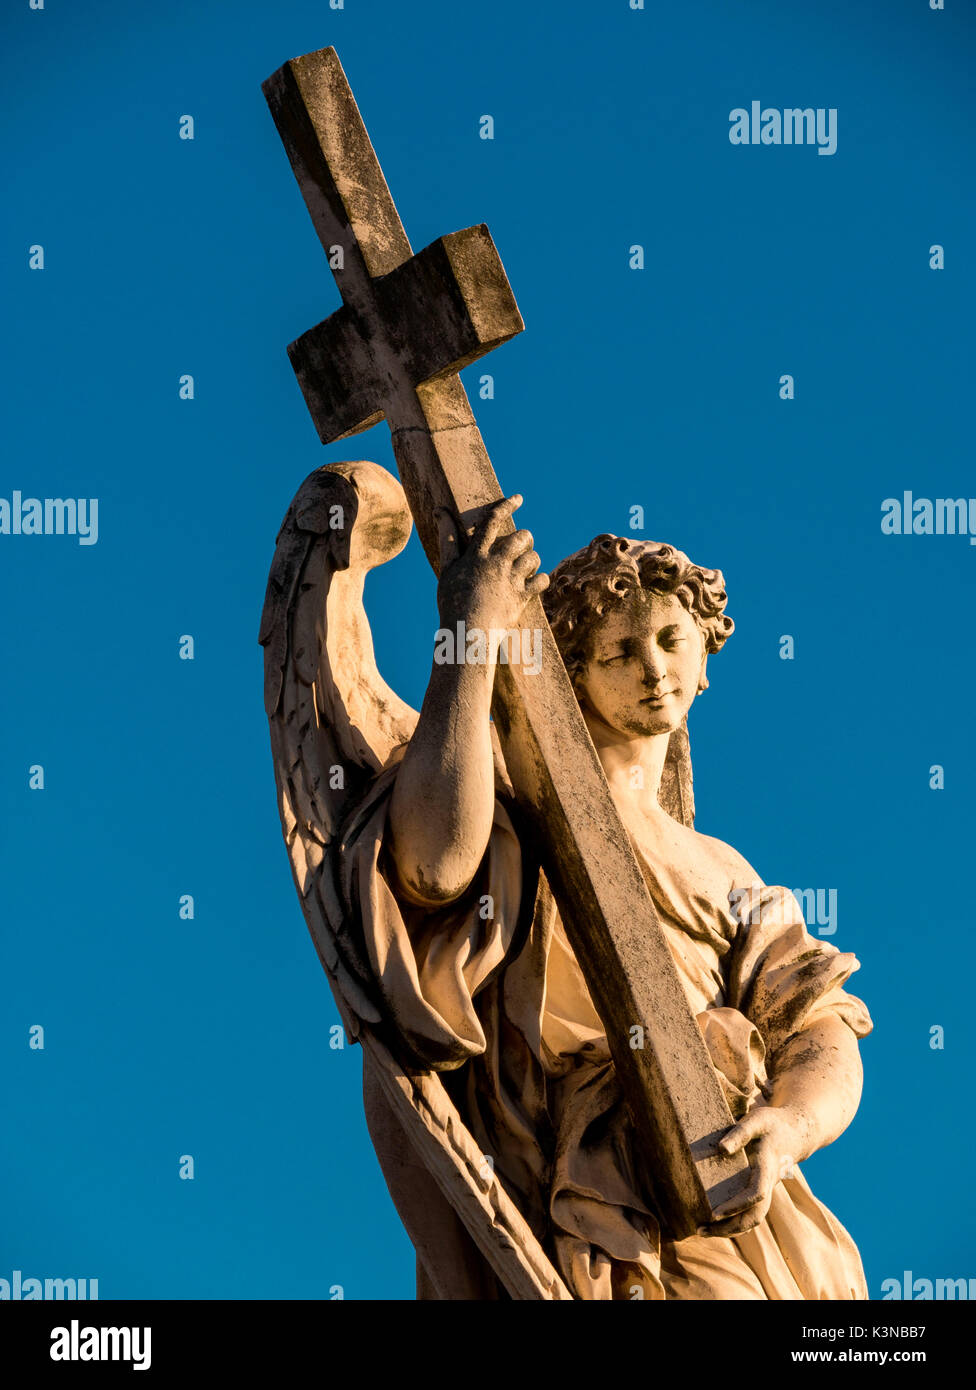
point(443, 803)
point(335, 724)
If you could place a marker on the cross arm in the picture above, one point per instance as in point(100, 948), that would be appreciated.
point(440, 310)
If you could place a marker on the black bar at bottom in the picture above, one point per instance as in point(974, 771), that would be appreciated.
point(401, 1339)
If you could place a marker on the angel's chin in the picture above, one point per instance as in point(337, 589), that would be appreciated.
point(648, 724)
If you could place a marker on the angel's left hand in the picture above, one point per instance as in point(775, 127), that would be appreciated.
point(777, 1134)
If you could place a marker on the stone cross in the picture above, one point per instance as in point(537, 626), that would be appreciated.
point(407, 326)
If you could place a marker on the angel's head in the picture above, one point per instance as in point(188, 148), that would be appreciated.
point(635, 622)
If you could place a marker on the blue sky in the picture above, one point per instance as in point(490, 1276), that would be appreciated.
point(657, 387)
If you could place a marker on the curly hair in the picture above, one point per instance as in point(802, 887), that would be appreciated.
point(603, 575)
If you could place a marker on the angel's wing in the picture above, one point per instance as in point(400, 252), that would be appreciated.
point(334, 720)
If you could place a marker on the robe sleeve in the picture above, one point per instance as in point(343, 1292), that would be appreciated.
point(430, 964)
point(780, 976)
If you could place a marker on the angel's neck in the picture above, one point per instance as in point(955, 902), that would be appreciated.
point(633, 765)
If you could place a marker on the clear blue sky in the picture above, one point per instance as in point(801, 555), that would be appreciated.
point(658, 387)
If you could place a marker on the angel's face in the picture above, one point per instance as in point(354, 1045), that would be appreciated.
point(646, 664)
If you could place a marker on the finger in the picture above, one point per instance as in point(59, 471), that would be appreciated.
point(448, 541)
point(738, 1225)
point(538, 584)
point(743, 1200)
point(488, 528)
point(513, 544)
point(767, 1162)
point(749, 1128)
point(765, 1172)
point(525, 566)
point(733, 1222)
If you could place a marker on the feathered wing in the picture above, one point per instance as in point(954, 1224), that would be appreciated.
point(335, 724)
point(334, 721)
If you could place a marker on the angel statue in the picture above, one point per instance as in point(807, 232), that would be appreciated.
point(490, 1092)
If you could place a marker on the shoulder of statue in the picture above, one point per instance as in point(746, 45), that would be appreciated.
point(735, 866)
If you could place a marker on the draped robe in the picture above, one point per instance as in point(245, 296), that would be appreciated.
point(487, 991)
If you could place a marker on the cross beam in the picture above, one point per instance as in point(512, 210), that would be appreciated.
point(408, 324)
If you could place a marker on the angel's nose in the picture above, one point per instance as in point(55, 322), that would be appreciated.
point(653, 664)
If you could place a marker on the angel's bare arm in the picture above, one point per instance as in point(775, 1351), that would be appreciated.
point(443, 801)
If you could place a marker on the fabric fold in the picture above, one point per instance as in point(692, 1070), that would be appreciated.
point(488, 991)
